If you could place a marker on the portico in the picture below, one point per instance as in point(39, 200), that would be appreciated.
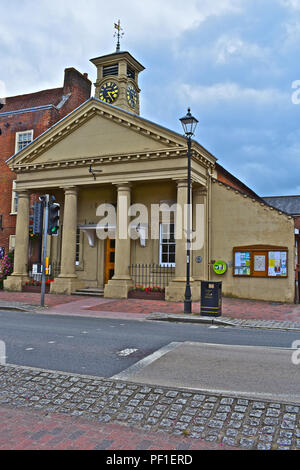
point(140, 163)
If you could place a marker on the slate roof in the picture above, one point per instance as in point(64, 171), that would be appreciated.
point(288, 204)
point(40, 98)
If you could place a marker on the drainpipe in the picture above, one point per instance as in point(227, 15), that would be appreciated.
point(209, 225)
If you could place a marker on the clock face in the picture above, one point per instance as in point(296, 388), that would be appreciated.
point(109, 92)
point(131, 96)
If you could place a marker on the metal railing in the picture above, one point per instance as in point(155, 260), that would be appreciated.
point(152, 275)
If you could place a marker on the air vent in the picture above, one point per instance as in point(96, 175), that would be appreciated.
point(111, 70)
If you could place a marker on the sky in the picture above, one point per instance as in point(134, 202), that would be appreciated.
point(235, 63)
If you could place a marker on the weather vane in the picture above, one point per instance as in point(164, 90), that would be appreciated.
point(118, 34)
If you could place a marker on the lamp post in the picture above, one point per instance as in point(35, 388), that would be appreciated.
point(189, 124)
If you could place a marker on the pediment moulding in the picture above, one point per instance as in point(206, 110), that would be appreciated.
point(168, 153)
point(172, 143)
point(50, 138)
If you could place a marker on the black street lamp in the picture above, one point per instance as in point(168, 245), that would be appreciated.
point(189, 124)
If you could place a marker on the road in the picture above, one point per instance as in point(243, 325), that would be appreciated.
point(108, 347)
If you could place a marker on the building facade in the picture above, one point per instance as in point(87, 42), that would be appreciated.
point(121, 181)
point(23, 119)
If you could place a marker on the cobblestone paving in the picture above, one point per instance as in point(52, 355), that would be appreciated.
point(227, 321)
point(233, 421)
point(268, 324)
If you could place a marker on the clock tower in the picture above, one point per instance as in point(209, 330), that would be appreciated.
point(117, 79)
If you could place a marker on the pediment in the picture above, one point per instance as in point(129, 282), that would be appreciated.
point(94, 130)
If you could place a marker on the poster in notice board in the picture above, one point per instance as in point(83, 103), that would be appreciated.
point(242, 263)
point(277, 264)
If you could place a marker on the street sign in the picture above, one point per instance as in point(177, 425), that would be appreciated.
point(220, 267)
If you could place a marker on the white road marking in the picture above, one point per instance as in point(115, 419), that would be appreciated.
point(126, 352)
point(51, 342)
point(29, 349)
point(125, 375)
point(3, 356)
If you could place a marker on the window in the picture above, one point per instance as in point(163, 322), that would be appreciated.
point(130, 73)
point(12, 242)
point(14, 199)
point(110, 70)
point(167, 245)
point(78, 247)
point(23, 139)
point(260, 261)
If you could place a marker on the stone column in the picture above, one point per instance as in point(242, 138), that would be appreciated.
point(66, 281)
point(200, 249)
point(119, 285)
point(176, 289)
point(20, 274)
point(180, 270)
point(68, 247)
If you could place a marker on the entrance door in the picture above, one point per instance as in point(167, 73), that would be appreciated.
point(109, 260)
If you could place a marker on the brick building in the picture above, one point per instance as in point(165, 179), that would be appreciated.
point(22, 119)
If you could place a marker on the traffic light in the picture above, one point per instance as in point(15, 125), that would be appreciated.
point(38, 218)
point(53, 219)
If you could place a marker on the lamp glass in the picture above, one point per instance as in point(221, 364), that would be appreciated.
point(189, 123)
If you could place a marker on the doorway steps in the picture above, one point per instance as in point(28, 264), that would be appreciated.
point(90, 291)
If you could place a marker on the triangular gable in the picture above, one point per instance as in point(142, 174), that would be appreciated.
point(96, 129)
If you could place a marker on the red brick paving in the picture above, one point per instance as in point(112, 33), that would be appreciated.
point(35, 299)
point(33, 430)
point(232, 308)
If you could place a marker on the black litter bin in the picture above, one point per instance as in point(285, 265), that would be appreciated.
point(211, 299)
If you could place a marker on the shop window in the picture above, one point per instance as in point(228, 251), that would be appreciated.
point(260, 261)
point(167, 245)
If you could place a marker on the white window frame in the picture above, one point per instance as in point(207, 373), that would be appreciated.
point(161, 263)
point(18, 134)
point(12, 242)
point(14, 199)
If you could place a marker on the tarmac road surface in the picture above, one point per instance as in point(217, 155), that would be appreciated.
point(250, 371)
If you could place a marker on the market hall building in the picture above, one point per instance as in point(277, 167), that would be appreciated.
point(104, 152)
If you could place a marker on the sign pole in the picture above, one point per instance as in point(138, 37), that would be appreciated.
point(46, 217)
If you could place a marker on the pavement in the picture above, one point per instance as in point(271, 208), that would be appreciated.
point(54, 410)
point(235, 312)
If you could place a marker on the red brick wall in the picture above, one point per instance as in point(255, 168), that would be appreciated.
point(80, 88)
point(225, 177)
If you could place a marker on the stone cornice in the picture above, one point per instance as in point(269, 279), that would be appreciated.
point(168, 153)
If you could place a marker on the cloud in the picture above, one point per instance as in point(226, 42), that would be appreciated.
point(232, 61)
point(228, 48)
point(292, 4)
point(39, 39)
point(231, 93)
point(2, 92)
